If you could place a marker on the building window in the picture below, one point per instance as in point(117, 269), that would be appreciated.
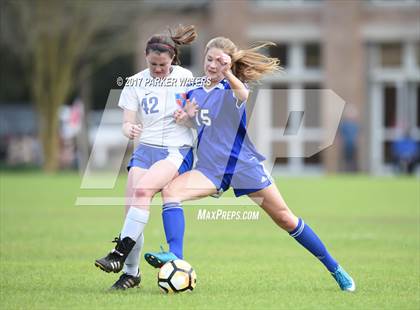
point(312, 105)
point(295, 92)
point(391, 54)
point(312, 55)
point(390, 106)
point(387, 149)
point(395, 91)
point(280, 51)
point(280, 105)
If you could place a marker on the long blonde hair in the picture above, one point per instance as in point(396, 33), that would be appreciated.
point(163, 43)
point(247, 65)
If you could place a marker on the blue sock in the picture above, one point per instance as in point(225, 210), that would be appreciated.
point(174, 225)
point(309, 240)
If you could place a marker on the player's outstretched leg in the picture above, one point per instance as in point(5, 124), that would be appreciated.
point(273, 203)
point(308, 239)
point(127, 281)
point(114, 261)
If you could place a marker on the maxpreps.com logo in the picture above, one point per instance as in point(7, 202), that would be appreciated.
point(181, 99)
point(227, 215)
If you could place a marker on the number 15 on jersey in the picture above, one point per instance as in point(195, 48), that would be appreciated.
point(202, 118)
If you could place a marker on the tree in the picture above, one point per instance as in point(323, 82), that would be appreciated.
point(59, 42)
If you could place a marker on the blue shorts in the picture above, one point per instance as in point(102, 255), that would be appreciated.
point(146, 155)
point(245, 181)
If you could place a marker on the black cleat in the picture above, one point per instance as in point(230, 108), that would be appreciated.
point(114, 261)
point(126, 281)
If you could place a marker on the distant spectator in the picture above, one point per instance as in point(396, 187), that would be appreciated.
point(349, 131)
point(405, 151)
point(23, 149)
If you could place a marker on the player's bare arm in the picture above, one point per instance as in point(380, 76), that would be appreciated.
point(131, 129)
point(239, 89)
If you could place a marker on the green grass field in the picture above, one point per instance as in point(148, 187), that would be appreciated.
point(371, 225)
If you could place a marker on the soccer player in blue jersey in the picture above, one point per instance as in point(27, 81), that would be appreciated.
point(226, 157)
point(163, 153)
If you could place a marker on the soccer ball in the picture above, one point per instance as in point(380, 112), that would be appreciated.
point(176, 276)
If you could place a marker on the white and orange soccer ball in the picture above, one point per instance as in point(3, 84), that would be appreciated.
point(176, 276)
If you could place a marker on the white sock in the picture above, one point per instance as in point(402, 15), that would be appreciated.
point(134, 223)
point(131, 265)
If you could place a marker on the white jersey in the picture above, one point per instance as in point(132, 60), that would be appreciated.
point(155, 107)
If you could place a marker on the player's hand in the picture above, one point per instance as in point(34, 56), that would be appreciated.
point(181, 117)
point(226, 63)
point(133, 131)
point(191, 108)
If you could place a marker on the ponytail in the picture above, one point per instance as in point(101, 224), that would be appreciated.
point(181, 35)
point(251, 65)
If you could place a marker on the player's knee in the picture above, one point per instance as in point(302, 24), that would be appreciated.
point(144, 193)
point(168, 192)
point(285, 219)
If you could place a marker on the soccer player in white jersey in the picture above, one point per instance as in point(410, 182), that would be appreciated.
point(227, 158)
point(164, 151)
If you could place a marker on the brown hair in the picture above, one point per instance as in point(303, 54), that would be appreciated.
point(163, 43)
point(247, 65)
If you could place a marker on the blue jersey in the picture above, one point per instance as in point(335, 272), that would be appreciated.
point(223, 144)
